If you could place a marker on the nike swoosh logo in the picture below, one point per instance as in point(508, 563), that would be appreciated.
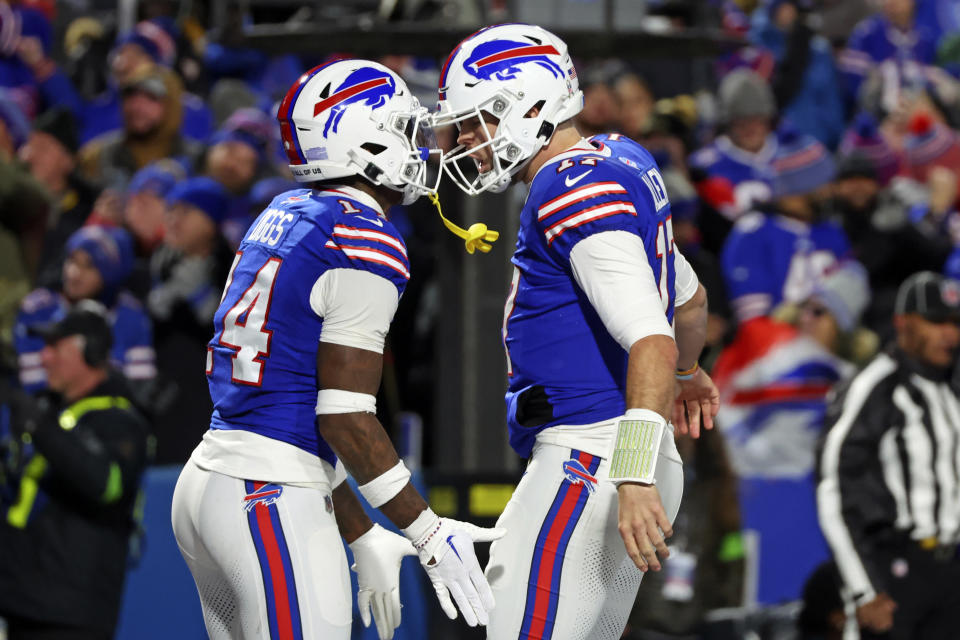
point(449, 538)
point(377, 221)
point(574, 181)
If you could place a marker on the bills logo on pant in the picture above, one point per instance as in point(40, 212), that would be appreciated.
point(546, 567)
point(576, 473)
point(276, 565)
point(266, 495)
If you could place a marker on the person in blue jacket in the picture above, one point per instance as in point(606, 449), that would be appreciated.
point(99, 260)
point(805, 77)
point(150, 42)
point(26, 68)
point(775, 254)
point(890, 37)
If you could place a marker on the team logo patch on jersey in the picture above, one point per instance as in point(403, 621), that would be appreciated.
point(500, 59)
point(368, 86)
point(266, 495)
point(576, 473)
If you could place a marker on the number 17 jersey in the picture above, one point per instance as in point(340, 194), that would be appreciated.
point(563, 366)
point(262, 360)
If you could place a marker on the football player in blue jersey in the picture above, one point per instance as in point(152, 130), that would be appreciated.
point(604, 320)
point(293, 367)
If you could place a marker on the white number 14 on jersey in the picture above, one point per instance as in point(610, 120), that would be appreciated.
point(243, 324)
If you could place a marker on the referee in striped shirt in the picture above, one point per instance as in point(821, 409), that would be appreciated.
point(888, 492)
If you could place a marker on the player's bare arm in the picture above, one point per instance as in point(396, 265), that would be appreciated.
point(690, 324)
point(650, 370)
point(358, 438)
point(361, 443)
point(698, 400)
point(377, 554)
point(352, 520)
point(641, 515)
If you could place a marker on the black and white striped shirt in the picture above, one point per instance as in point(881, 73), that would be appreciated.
point(889, 465)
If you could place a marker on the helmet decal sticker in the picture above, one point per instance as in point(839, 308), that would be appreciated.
point(371, 87)
point(499, 59)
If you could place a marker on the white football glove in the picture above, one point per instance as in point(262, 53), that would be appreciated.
point(446, 554)
point(377, 555)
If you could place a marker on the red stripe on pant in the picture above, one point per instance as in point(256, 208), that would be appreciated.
point(549, 559)
point(278, 578)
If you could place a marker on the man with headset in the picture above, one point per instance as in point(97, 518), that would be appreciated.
point(71, 469)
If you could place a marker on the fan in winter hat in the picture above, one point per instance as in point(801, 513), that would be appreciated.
point(155, 38)
point(930, 144)
point(801, 164)
point(34, 24)
point(863, 138)
point(158, 178)
point(845, 291)
point(249, 126)
point(205, 194)
point(110, 250)
point(743, 94)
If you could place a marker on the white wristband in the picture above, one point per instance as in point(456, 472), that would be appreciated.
point(339, 474)
point(340, 401)
point(635, 449)
point(422, 532)
point(385, 486)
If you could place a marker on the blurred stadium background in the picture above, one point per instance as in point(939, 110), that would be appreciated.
point(651, 69)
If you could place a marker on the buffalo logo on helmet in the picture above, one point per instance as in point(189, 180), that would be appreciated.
point(576, 473)
point(266, 495)
point(368, 86)
point(500, 59)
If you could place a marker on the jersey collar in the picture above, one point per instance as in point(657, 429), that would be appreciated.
point(581, 147)
point(792, 224)
point(353, 193)
point(759, 159)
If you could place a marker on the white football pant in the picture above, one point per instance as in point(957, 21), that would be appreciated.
point(562, 572)
point(267, 558)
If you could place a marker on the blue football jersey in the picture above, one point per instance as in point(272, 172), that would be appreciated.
point(132, 351)
point(563, 365)
point(262, 360)
point(875, 40)
point(768, 259)
point(746, 178)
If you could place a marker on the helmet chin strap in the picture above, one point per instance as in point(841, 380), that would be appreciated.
point(373, 173)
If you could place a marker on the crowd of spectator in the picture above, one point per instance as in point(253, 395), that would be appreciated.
point(806, 186)
point(813, 175)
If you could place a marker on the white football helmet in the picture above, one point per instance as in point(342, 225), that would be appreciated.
point(358, 118)
point(506, 70)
